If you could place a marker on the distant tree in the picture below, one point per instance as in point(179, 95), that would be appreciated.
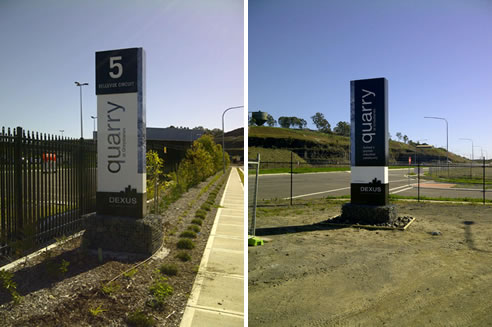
point(399, 136)
point(405, 138)
point(271, 121)
point(321, 123)
point(302, 123)
point(342, 128)
point(284, 122)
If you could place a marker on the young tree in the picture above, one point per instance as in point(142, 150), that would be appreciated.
point(321, 123)
point(399, 136)
point(342, 128)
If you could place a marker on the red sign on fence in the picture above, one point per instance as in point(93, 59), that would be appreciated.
point(409, 160)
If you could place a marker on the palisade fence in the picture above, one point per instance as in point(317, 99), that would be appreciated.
point(46, 184)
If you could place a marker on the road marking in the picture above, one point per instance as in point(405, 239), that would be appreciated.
point(402, 190)
point(303, 195)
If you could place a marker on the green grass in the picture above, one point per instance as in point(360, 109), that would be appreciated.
point(463, 199)
point(476, 181)
point(396, 197)
point(302, 170)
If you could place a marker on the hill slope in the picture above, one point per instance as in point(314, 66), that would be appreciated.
point(312, 145)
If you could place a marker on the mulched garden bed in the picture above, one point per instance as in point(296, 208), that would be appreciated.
point(80, 296)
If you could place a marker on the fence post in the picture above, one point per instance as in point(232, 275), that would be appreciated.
point(418, 182)
point(291, 155)
point(18, 181)
point(483, 180)
point(80, 177)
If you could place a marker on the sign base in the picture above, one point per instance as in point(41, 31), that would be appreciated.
point(123, 234)
point(369, 214)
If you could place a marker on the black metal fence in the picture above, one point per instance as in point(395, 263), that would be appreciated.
point(46, 183)
point(297, 182)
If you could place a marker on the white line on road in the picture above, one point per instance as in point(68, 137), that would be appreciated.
point(303, 195)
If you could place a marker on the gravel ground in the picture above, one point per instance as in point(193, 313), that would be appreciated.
point(51, 299)
point(436, 273)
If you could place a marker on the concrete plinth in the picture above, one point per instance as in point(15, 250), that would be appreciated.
point(123, 234)
point(369, 214)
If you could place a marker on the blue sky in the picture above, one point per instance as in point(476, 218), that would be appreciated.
point(436, 55)
point(194, 52)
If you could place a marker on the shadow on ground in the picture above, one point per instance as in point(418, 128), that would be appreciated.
point(295, 229)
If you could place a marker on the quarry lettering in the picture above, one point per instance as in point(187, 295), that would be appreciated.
point(114, 139)
point(367, 118)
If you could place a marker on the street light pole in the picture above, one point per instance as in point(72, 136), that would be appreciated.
point(471, 163)
point(94, 120)
point(223, 134)
point(447, 144)
point(81, 123)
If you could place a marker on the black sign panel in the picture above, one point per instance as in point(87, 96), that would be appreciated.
point(369, 119)
point(117, 71)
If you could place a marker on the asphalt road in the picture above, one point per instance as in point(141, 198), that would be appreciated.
point(319, 185)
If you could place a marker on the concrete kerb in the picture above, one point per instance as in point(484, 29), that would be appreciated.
point(192, 308)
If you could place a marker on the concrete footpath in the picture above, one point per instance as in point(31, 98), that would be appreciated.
point(217, 297)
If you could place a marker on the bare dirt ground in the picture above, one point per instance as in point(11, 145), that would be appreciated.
point(53, 299)
point(312, 276)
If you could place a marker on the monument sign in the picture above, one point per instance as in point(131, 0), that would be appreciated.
point(369, 141)
point(121, 173)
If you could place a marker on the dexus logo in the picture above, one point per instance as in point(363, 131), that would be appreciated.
point(122, 200)
point(370, 189)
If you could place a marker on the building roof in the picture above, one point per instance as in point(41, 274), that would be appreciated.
point(173, 134)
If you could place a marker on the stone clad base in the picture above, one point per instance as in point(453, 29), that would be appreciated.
point(369, 214)
point(123, 234)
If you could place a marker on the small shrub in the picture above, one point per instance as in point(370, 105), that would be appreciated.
point(201, 214)
point(110, 288)
point(194, 228)
point(63, 267)
point(139, 319)
point(96, 311)
point(183, 256)
point(200, 211)
point(205, 207)
point(185, 243)
point(9, 285)
point(129, 274)
point(169, 269)
point(160, 290)
point(188, 234)
point(197, 221)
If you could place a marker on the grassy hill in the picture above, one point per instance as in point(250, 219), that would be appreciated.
point(311, 145)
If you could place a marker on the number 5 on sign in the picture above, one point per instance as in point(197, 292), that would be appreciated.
point(117, 65)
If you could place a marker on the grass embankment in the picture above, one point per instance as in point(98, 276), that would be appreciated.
point(336, 145)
